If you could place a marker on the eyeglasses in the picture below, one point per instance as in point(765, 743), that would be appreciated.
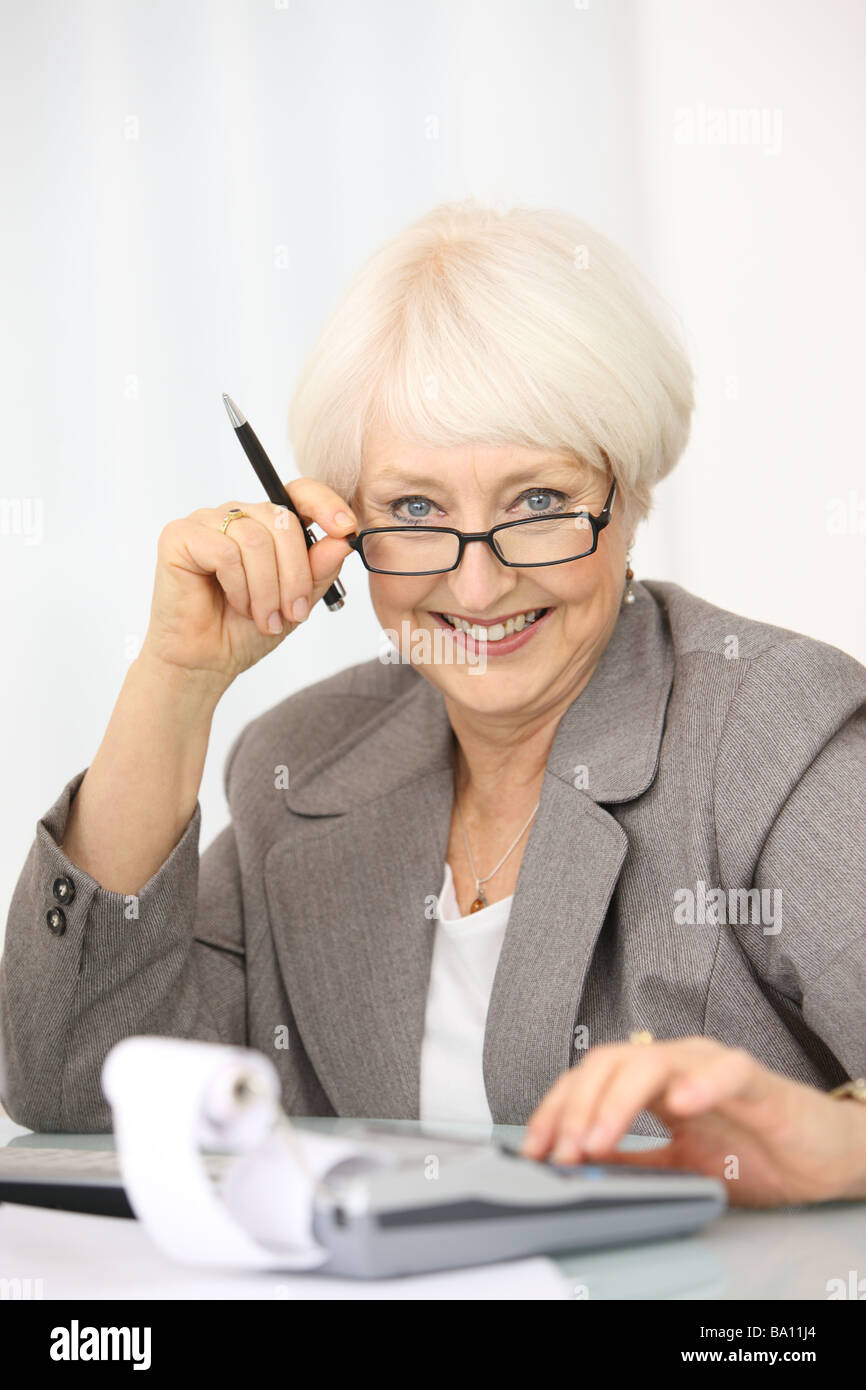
point(543, 540)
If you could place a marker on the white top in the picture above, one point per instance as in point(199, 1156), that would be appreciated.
point(465, 956)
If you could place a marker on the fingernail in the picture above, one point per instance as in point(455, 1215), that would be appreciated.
point(343, 519)
point(275, 622)
point(300, 609)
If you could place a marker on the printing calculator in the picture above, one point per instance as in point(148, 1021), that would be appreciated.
point(452, 1202)
point(444, 1202)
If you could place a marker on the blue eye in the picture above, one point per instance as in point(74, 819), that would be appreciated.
point(536, 501)
point(413, 509)
point(539, 501)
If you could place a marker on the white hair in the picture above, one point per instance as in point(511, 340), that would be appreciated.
point(477, 325)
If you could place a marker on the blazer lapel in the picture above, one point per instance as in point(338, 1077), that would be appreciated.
point(351, 888)
point(606, 750)
point(567, 876)
point(352, 894)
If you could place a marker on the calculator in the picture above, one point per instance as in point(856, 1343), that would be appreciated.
point(445, 1202)
point(451, 1202)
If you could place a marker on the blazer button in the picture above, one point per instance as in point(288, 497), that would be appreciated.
point(63, 889)
point(56, 919)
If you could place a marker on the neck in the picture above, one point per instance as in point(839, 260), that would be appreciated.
point(505, 757)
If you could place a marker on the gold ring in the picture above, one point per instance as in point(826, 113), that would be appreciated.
point(230, 516)
point(641, 1038)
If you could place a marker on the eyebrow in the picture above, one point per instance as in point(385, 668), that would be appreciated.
point(396, 477)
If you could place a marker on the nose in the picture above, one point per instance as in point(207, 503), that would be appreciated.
point(480, 580)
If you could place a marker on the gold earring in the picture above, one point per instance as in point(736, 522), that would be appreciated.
point(629, 576)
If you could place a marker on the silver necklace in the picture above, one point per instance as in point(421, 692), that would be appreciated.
point(481, 900)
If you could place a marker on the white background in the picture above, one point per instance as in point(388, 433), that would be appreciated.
point(189, 185)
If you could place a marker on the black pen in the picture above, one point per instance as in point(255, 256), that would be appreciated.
point(270, 481)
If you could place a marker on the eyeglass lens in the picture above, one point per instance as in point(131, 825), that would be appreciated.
point(547, 540)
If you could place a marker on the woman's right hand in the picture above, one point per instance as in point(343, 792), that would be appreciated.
point(215, 595)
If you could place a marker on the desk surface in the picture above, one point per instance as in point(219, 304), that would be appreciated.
point(787, 1253)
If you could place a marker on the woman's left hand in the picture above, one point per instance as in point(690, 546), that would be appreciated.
point(778, 1141)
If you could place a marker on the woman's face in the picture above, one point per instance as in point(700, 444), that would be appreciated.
point(473, 487)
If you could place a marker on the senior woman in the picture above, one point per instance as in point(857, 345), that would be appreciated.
point(590, 857)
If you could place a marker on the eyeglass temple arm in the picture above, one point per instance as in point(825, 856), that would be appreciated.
point(604, 514)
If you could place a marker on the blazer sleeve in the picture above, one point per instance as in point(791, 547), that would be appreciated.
point(815, 857)
point(168, 961)
point(798, 743)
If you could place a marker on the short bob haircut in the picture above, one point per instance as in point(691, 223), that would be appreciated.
point(478, 325)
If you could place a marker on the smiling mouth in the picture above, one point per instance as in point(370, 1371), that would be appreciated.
point(495, 631)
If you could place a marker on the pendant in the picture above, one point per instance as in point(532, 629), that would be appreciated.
point(479, 902)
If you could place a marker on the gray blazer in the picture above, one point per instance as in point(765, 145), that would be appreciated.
point(305, 929)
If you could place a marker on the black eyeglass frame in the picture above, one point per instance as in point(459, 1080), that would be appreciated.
point(597, 523)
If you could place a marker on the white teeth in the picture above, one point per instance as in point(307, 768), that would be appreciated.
point(497, 631)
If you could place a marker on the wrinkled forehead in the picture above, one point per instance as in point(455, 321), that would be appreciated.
point(390, 461)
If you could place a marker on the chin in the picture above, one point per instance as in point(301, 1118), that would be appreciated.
point(491, 691)
point(487, 683)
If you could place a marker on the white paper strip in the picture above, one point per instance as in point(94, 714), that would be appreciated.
point(168, 1098)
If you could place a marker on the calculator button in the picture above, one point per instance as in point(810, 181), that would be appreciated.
point(577, 1170)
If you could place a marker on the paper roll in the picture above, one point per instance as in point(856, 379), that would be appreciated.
point(168, 1097)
